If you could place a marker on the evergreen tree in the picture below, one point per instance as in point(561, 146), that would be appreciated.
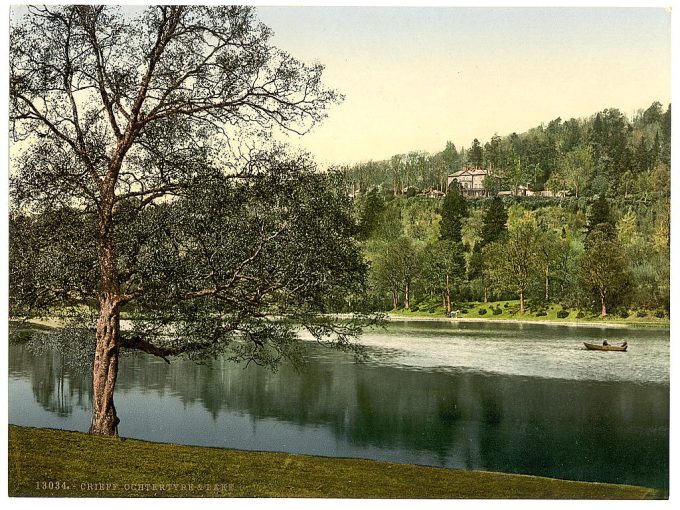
point(656, 151)
point(600, 218)
point(495, 222)
point(641, 155)
point(475, 154)
point(454, 210)
point(370, 214)
point(475, 263)
point(652, 114)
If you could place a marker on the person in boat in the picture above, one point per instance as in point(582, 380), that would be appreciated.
point(605, 343)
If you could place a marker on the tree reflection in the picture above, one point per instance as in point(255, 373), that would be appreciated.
point(614, 432)
point(56, 387)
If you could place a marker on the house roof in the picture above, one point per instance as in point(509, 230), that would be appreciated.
point(469, 171)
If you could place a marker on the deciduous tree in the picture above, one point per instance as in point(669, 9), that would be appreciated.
point(603, 267)
point(134, 132)
point(513, 264)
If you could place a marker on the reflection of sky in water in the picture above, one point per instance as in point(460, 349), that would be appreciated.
point(546, 351)
point(513, 399)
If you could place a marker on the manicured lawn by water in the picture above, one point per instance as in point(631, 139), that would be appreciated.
point(509, 310)
point(46, 462)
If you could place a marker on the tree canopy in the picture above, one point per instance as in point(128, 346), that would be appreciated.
point(146, 182)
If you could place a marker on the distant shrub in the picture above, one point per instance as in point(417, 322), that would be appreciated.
point(541, 313)
point(562, 314)
point(464, 310)
point(660, 314)
point(623, 314)
point(580, 315)
point(497, 311)
point(415, 308)
point(641, 314)
point(506, 305)
point(482, 311)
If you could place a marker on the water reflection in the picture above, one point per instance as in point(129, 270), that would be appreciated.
point(611, 431)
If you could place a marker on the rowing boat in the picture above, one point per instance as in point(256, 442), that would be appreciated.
point(600, 347)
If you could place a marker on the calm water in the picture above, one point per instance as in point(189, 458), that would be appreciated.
point(497, 397)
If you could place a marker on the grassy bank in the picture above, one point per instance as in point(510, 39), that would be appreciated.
point(509, 311)
point(88, 466)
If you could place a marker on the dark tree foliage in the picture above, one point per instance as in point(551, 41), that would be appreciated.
point(652, 114)
point(609, 139)
point(476, 263)
point(371, 211)
point(665, 126)
point(222, 260)
point(495, 222)
point(600, 218)
point(139, 187)
point(475, 154)
point(454, 209)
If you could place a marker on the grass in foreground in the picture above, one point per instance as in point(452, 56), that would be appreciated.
point(83, 465)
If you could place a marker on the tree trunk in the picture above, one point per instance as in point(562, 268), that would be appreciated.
point(105, 366)
point(547, 282)
point(395, 300)
point(407, 297)
point(105, 369)
point(521, 301)
point(486, 294)
point(603, 313)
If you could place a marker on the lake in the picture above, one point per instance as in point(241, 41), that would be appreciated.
point(516, 398)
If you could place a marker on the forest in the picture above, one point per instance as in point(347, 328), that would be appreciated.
point(600, 249)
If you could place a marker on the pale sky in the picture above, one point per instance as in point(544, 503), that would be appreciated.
point(414, 78)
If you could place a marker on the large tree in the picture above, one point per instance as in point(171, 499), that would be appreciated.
point(603, 267)
point(513, 264)
point(574, 171)
point(444, 268)
point(396, 268)
point(494, 221)
point(475, 154)
point(454, 210)
point(134, 151)
point(599, 217)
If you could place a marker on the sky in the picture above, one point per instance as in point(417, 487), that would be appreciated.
point(414, 78)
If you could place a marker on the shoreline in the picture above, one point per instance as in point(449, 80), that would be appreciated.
point(53, 322)
point(614, 325)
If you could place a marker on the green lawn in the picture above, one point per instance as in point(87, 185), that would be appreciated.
point(509, 310)
point(89, 466)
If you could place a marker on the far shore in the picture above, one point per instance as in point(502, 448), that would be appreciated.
point(619, 325)
point(54, 322)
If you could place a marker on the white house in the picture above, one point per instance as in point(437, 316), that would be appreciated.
point(471, 180)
